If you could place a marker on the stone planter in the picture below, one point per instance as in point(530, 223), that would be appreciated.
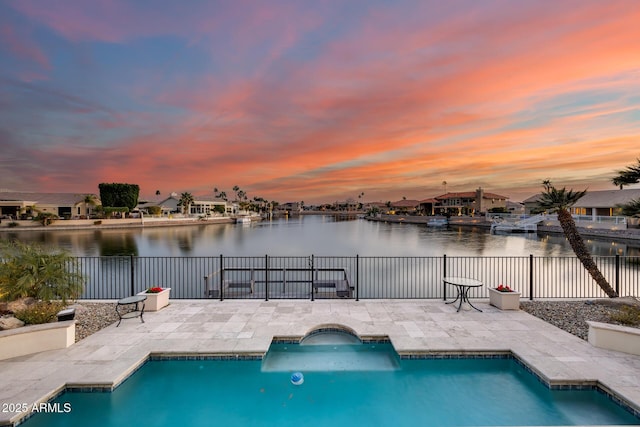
point(36, 338)
point(504, 300)
point(156, 301)
point(614, 337)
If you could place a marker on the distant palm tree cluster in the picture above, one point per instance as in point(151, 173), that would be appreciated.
point(240, 197)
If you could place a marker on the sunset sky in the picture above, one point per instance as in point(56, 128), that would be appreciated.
point(318, 100)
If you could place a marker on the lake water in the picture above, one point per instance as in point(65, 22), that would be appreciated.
point(311, 235)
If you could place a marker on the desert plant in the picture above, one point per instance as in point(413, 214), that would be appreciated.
point(45, 218)
point(154, 210)
point(31, 270)
point(40, 312)
point(627, 315)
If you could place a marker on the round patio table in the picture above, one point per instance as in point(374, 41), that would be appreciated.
point(137, 311)
point(463, 285)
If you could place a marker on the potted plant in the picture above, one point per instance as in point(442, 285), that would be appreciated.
point(157, 298)
point(504, 298)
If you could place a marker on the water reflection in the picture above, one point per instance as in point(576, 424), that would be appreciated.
point(116, 244)
point(314, 235)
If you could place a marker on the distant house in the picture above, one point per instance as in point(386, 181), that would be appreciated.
point(347, 205)
point(64, 205)
point(290, 207)
point(470, 202)
point(515, 208)
point(594, 203)
point(202, 205)
point(428, 206)
point(408, 206)
point(167, 205)
point(376, 207)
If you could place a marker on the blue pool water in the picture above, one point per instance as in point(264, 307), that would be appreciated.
point(431, 392)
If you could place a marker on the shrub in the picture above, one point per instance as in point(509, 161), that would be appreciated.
point(154, 210)
point(627, 315)
point(38, 272)
point(40, 312)
point(13, 224)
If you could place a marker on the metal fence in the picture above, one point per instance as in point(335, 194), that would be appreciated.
point(311, 277)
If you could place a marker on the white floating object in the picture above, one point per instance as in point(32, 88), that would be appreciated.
point(297, 378)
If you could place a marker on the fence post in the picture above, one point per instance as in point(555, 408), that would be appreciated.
point(312, 299)
point(357, 277)
point(618, 274)
point(221, 277)
point(133, 287)
point(266, 279)
point(530, 277)
point(444, 274)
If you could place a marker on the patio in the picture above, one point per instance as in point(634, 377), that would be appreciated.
point(247, 327)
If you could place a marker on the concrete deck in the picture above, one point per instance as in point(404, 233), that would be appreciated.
point(236, 327)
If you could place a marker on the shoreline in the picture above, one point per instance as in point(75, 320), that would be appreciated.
point(630, 234)
point(113, 224)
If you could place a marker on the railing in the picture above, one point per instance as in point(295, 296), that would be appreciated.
point(613, 220)
point(310, 277)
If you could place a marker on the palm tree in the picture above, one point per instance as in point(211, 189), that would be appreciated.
point(631, 208)
point(628, 176)
point(560, 201)
point(157, 192)
point(186, 200)
point(236, 189)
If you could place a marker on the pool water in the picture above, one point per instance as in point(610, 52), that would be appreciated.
point(323, 357)
point(426, 392)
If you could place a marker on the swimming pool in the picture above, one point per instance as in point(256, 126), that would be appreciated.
point(435, 391)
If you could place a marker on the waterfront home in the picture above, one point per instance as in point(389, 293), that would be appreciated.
point(406, 206)
point(594, 203)
point(428, 206)
point(290, 207)
point(64, 205)
point(470, 202)
point(202, 205)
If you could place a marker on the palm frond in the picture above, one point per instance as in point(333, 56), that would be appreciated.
point(631, 208)
point(553, 200)
point(629, 175)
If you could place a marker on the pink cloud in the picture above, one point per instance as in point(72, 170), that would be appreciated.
point(19, 42)
point(402, 99)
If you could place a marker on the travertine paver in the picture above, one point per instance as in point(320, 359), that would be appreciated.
point(109, 356)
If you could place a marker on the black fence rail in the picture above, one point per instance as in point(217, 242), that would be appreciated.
point(356, 277)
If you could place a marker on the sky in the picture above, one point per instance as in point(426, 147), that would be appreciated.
point(318, 100)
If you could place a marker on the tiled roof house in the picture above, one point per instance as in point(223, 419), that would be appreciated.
point(61, 204)
point(471, 202)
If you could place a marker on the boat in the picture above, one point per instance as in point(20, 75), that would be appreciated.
point(525, 225)
point(243, 220)
point(438, 222)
